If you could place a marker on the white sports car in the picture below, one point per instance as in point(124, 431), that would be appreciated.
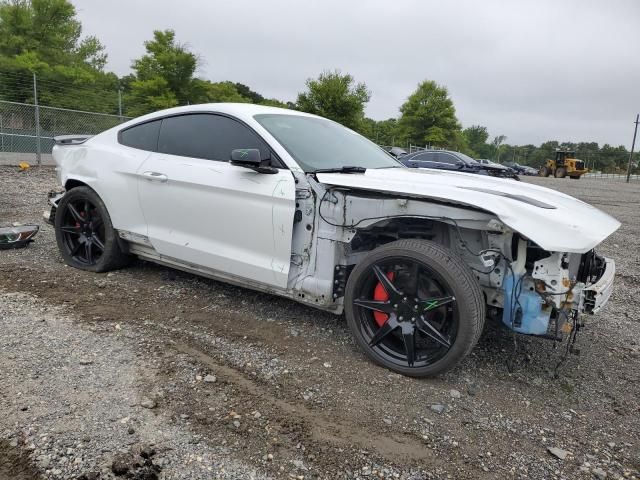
point(300, 206)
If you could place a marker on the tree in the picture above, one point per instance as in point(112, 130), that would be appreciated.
point(497, 142)
point(335, 96)
point(49, 29)
point(164, 76)
point(253, 97)
point(476, 137)
point(44, 37)
point(429, 117)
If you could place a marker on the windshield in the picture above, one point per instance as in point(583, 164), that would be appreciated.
point(318, 144)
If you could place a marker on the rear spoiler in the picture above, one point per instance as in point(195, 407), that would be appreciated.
point(71, 139)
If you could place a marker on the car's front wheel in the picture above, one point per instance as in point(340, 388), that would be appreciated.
point(84, 232)
point(414, 307)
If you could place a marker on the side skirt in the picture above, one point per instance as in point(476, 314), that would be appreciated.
point(149, 253)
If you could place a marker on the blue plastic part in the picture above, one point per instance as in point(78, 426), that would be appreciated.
point(526, 315)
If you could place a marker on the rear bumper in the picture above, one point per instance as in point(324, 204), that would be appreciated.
point(595, 296)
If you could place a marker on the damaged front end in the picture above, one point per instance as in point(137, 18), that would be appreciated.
point(545, 293)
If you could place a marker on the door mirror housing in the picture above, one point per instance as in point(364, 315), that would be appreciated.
point(251, 158)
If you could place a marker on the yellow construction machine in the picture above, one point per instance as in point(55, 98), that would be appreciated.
point(564, 165)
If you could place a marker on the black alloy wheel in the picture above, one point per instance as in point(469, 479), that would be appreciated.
point(84, 233)
point(414, 307)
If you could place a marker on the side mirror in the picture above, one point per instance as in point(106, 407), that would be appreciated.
point(250, 158)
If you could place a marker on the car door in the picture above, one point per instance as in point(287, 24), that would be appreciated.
point(448, 161)
point(204, 211)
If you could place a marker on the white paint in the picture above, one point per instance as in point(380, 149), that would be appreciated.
point(573, 226)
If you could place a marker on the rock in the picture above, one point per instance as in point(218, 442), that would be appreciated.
point(387, 421)
point(147, 452)
point(537, 381)
point(299, 464)
point(210, 379)
point(455, 393)
point(131, 430)
point(148, 403)
point(85, 361)
point(257, 414)
point(236, 423)
point(599, 473)
point(438, 408)
point(121, 465)
point(326, 365)
point(89, 476)
point(472, 390)
point(558, 452)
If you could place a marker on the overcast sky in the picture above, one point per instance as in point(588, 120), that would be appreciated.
point(531, 70)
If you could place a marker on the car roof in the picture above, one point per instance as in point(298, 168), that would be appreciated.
point(243, 111)
point(419, 152)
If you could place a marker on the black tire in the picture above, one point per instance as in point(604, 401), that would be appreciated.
point(544, 171)
point(561, 172)
point(88, 241)
point(463, 317)
point(574, 177)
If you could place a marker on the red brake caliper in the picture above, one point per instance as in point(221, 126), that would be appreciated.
point(380, 294)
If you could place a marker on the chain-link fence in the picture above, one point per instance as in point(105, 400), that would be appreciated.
point(27, 130)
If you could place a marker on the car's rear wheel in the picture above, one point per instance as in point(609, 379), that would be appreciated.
point(561, 172)
point(414, 307)
point(84, 232)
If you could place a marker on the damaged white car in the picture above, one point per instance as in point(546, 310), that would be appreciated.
point(300, 206)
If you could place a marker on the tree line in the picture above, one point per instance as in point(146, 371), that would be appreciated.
point(45, 37)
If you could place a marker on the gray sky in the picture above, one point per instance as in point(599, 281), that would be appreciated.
point(533, 70)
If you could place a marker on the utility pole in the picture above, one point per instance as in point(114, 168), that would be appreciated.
point(37, 118)
point(633, 144)
point(120, 103)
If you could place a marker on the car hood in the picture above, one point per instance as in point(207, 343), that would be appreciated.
point(555, 221)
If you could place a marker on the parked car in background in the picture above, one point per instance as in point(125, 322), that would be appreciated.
point(296, 205)
point(455, 161)
point(521, 169)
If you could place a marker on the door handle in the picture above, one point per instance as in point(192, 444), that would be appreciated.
point(155, 176)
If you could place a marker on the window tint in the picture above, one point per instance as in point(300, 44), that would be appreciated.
point(144, 136)
point(447, 158)
point(425, 157)
point(207, 136)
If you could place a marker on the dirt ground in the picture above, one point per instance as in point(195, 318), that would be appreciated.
point(151, 373)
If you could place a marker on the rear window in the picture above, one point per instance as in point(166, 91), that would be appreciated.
point(143, 136)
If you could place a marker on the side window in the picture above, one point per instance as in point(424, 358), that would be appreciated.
point(143, 136)
point(207, 136)
point(425, 157)
point(447, 158)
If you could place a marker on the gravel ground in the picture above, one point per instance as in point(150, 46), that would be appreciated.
point(151, 373)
